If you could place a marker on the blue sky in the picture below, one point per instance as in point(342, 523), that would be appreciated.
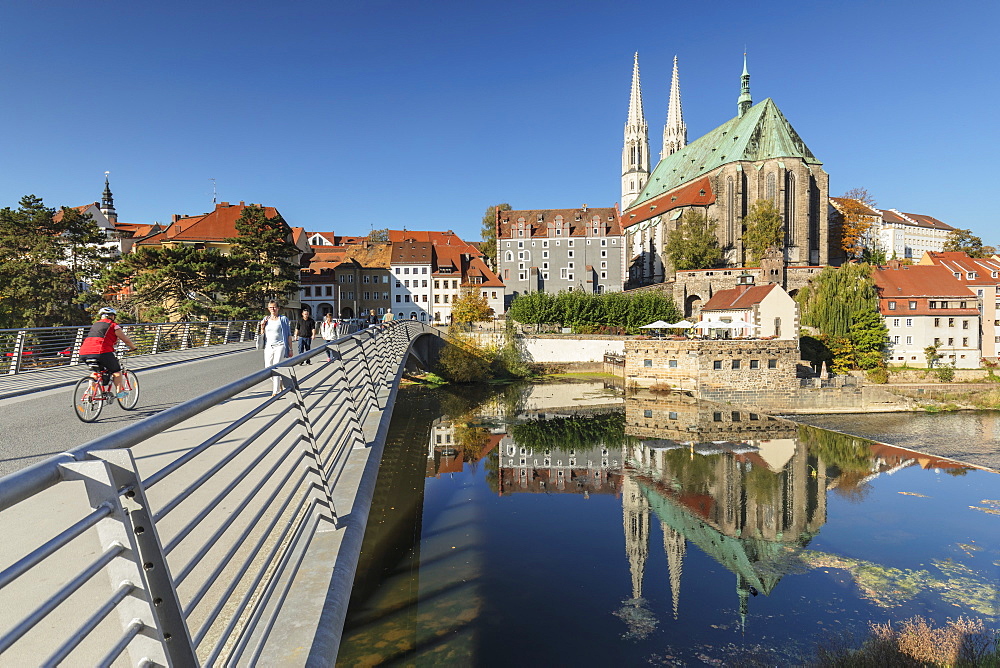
point(349, 116)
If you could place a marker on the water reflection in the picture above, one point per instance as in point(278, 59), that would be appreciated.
point(639, 503)
point(749, 490)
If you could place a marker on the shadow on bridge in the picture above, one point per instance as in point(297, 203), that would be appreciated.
point(229, 525)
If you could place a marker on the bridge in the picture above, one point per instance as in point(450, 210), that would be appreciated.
point(223, 529)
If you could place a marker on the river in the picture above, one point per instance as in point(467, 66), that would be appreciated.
point(560, 524)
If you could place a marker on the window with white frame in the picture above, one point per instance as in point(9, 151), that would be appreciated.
point(545, 254)
point(604, 242)
point(563, 273)
point(569, 253)
point(522, 276)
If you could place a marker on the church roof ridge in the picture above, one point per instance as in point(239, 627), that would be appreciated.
point(762, 133)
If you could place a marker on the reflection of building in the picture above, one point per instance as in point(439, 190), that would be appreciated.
point(595, 470)
point(446, 453)
point(680, 417)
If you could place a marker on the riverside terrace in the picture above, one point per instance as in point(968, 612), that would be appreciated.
point(759, 374)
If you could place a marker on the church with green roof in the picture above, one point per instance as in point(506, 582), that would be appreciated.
point(753, 156)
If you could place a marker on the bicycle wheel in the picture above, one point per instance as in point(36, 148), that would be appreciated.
point(130, 384)
point(87, 399)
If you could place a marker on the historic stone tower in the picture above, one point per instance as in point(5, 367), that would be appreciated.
point(108, 201)
point(675, 132)
point(635, 154)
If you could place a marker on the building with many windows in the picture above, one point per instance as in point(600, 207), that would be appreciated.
point(901, 236)
point(925, 305)
point(348, 280)
point(412, 265)
point(982, 276)
point(552, 250)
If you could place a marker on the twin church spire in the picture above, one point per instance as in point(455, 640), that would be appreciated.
point(635, 153)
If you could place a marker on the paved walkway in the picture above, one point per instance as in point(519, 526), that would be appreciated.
point(12, 385)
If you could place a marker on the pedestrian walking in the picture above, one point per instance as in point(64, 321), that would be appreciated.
point(277, 334)
point(328, 330)
point(305, 330)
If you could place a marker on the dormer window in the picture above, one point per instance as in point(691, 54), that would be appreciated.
point(971, 275)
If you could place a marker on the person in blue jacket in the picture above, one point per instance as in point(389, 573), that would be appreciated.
point(277, 333)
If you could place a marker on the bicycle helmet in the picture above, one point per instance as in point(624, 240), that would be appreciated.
point(107, 311)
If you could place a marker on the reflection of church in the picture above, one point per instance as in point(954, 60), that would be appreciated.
point(744, 491)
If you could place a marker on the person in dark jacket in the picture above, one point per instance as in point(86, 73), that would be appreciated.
point(305, 330)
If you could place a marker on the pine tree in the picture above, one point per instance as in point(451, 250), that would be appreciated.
point(262, 263)
point(163, 283)
point(36, 287)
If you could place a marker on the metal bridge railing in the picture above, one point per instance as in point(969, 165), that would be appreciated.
point(24, 350)
point(175, 541)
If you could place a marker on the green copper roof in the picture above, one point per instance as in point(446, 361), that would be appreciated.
point(760, 134)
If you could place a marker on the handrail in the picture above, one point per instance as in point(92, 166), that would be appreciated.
point(30, 349)
point(235, 543)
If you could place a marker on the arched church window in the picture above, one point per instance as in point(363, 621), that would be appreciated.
point(508, 256)
point(730, 211)
point(772, 188)
point(790, 207)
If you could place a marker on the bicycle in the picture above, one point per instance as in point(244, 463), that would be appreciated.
point(91, 392)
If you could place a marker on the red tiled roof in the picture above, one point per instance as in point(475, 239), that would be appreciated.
point(696, 193)
point(919, 282)
point(412, 252)
point(607, 219)
point(215, 226)
point(738, 298)
point(960, 263)
point(915, 219)
point(58, 215)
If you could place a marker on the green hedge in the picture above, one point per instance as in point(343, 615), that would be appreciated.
point(589, 312)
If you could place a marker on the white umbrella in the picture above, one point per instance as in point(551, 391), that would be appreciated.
point(659, 324)
point(710, 324)
point(683, 324)
point(740, 323)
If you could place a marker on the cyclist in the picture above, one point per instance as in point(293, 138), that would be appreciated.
point(99, 346)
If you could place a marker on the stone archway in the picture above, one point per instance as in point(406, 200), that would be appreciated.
point(346, 312)
point(692, 305)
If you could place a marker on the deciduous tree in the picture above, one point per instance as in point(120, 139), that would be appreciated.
point(762, 229)
point(964, 241)
point(470, 306)
point(693, 245)
point(856, 212)
point(489, 232)
point(842, 304)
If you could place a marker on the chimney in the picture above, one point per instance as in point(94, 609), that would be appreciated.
point(223, 205)
point(241, 203)
point(895, 264)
